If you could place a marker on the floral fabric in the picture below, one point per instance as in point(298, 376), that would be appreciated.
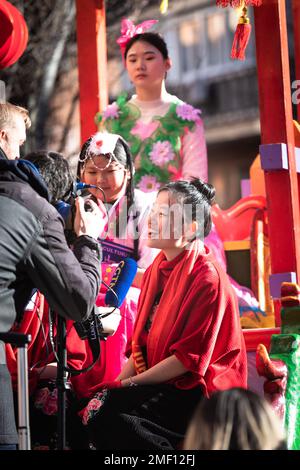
point(156, 146)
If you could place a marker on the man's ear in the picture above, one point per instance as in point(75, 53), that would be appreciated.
point(3, 134)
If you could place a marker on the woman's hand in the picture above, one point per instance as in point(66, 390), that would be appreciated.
point(90, 218)
point(129, 382)
point(165, 370)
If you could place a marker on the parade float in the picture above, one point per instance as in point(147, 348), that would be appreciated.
point(267, 222)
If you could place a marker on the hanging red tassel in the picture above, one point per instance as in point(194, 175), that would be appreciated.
point(238, 3)
point(241, 37)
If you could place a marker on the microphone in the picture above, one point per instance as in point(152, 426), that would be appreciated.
point(79, 188)
point(120, 282)
point(119, 285)
point(82, 186)
point(104, 321)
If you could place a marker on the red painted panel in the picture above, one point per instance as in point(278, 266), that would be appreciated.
point(92, 62)
point(256, 336)
point(277, 126)
point(296, 27)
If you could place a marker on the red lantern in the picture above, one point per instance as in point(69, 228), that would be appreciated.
point(13, 34)
point(243, 29)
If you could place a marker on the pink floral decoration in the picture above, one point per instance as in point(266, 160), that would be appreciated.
point(50, 407)
point(85, 417)
point(143, 131)
point(128, 30)
point(161, 153)
point(111, 112)
point(41, 397)
point(93, 406)
point(148, 184)
point(187, 112)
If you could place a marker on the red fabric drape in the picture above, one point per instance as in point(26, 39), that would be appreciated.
point(197, 319)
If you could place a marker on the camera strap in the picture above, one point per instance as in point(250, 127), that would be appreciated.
point(94, 344)
point(93, 340)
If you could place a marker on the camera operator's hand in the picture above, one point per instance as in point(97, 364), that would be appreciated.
point(110, 322)
point(89, 222)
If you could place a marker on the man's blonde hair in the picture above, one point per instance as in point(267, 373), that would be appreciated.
point(7, 113)
point(235, 419)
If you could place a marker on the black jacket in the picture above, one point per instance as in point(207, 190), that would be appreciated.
point(34, 254)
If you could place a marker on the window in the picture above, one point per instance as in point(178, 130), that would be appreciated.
point(190, 44)
point(204, 42)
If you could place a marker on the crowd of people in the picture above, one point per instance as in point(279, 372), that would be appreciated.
point(174, 374)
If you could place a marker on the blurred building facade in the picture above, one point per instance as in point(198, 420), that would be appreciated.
point(199, 38)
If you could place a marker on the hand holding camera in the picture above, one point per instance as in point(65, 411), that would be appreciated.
point(90, 218)
point(105, 319)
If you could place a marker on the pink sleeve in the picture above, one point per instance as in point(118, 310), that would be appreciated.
point(194, 153)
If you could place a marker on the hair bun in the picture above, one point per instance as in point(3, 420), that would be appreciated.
point(206, 189)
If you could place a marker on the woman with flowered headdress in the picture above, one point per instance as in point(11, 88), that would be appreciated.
point(105, 162)
point(187, 340)
point(165, 134)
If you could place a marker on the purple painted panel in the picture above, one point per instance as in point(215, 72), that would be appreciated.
point(277, 279)
point(245, 187)
point(273, 156)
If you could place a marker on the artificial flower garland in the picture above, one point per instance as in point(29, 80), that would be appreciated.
point(159, 154)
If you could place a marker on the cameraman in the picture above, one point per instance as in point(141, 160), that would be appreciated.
point(34, 254)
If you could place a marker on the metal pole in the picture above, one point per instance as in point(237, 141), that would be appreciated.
point(61, 383)
point(21, 342)
point(23, 399)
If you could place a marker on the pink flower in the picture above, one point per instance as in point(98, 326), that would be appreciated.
point(50, 407)
point(143, 131)
point(41, 397)
point(111, 112)
point(95, 404)
point(187, 112)
point(161, 153)
point(85, 417)
point(148, 184)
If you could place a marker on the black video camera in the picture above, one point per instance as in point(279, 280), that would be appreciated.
point(86, 329)
point(67, 209)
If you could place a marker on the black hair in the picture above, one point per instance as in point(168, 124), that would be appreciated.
point(154, 39)
point(55, 171)
point(194, 193)
point(122, 154)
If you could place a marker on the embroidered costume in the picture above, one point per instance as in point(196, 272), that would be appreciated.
point(166, 138)
point(116, 248)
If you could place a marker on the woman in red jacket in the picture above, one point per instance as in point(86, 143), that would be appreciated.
point(187, 339)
